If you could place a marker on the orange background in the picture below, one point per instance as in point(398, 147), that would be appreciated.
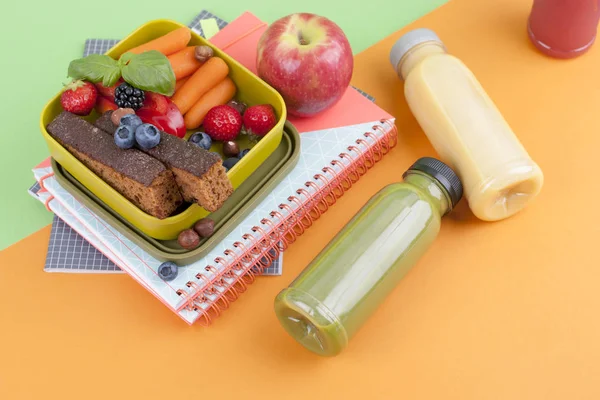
point(505, 310)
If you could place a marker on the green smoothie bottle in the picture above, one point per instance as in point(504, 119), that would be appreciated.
point(337, 292)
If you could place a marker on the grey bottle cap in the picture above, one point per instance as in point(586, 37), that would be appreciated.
point(410, 40)
point(443, 174)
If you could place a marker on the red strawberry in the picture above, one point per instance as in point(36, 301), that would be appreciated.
point(222, 123)
point(259, 119)
point(79, 97)
point(108, 92)
point(104, 104)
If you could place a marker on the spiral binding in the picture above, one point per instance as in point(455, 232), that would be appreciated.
point(212, 293)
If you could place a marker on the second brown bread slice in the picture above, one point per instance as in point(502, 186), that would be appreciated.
point(200, 174)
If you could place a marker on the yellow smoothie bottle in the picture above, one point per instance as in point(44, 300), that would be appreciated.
point(465, 127)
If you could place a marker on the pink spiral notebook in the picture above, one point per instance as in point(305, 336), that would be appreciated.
point(337, 148)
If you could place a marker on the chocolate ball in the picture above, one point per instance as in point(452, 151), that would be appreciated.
point(188, 239)
point(116, 115)
point(238, 105)
point(231, 148)
point(205, 227)
point(203, 53)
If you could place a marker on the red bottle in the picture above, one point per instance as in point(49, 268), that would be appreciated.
point(564, 28)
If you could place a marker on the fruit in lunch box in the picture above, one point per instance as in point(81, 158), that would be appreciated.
point(130, 120)
point(221, 93)
point(230, 162)
point(231, 149)
point(168, 271)
point(79, 97)
point(115, 117)
point(188, 239)
point(127, 96)
point(104, 105)
point(223, 123)
point(201, 139)
point(125, 137)
point(204, 227)
point(238, 105)
point(259, 119)
point(161, 112)
point(156, 102)
point(243, 153)
point(147, 136)
point(307, 58)
point(108, 91)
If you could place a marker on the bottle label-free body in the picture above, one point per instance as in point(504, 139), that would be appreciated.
point(468, 131)
point(461, 121)
point(365, 261)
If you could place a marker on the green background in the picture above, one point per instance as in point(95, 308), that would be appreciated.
point(40, 38)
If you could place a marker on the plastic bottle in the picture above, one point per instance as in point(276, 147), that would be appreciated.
point(563, 28)
point(465, 127)
point(336, 293)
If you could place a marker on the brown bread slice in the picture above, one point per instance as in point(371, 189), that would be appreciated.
point(142, 179)
point(104, 122)
point(199, 173)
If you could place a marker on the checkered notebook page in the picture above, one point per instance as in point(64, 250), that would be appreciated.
point(67, 250)
point(101, 46)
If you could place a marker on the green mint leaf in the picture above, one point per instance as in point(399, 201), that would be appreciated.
point(151, 71)
point(124, 59)
point(92, 68)
point(112, 76)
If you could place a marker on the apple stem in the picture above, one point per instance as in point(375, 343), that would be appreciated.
point(301, 39)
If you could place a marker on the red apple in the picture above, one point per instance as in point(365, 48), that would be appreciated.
point(308, 60)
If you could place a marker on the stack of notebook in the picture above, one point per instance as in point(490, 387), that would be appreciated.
point(337, 148)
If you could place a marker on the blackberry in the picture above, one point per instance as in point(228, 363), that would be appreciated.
point(127, 96)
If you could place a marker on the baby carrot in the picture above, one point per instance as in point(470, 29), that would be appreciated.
point(167, 44)
point(205, 78)
point(220, 94)
point(184, 62)
point(180, 83)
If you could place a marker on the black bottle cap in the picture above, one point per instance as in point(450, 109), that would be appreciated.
point(443, 174)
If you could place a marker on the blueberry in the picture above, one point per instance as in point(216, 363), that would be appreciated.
point(147, 136)
point(230, 162)
point(243, 153)
point(168, 271)
point(201, 139)
point(131, 120)
point(124, 137)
